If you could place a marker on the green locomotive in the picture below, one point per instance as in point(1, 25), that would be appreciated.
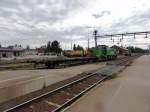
point(103, 52)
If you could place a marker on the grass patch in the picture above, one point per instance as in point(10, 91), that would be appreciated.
point(114, 75)
point(129, 64)
point(97, 63)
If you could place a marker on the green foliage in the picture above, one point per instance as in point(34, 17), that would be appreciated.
point(48, 47)
point(78, 47)
point(137, 50)
point(28, 47)
point(74, 47)
point(53, 47)
point(114, 75)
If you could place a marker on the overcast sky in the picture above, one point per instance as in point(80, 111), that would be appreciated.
point(34, 22)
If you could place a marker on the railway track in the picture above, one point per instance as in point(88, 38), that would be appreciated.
point(124, 61)
point(60, 98)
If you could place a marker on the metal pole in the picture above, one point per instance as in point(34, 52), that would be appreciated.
point(149, 49)
point(71, 43)
point(95, 37)
point(122, 36)
point(134, 35)
point(88, 43)
point(146, 35)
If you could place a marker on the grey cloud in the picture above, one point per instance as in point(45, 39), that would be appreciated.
point(37, 10)
point(103, 13)
point(20, 19)
point(137, 22)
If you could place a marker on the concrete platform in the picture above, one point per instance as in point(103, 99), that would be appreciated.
point(21, 82)
point(129, 92)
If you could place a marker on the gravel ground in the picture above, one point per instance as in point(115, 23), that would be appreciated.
point(26, 97)
point(6, 77)
point(129, 92)
point(21, 82)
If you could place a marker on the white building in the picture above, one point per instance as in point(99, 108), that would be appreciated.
point(11, 51)
point(28, 52)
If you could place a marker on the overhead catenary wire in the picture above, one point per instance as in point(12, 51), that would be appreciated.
point(123, 34)
point(120, 36)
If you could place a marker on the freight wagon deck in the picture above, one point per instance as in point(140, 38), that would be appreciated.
point(55, 61)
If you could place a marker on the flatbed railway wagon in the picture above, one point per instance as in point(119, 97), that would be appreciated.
point(100, 53)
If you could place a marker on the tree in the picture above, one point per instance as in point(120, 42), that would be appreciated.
point(137, 50)
point(55, 47)
point(48, 47)
point(79, 47)
point(28, 47)
point(74, 47)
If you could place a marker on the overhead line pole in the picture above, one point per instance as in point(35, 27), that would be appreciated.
point(88, 43)
point(95, 37)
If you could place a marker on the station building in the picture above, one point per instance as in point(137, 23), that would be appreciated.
point(11, 51)
point(29, 52)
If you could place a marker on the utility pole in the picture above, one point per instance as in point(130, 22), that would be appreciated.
point(95, 37)
point(71, 43)
point(149, 48)
point(88, 43)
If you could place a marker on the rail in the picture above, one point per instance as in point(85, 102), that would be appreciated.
point(59, 89)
